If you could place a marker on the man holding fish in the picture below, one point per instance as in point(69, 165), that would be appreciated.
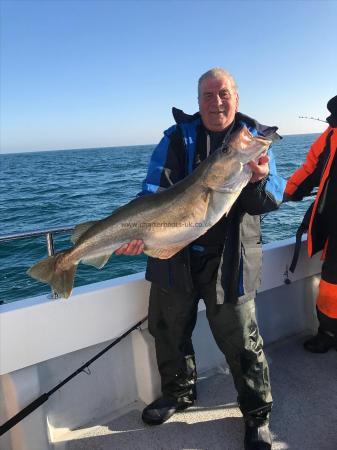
point(198, 220)
point(221, 266)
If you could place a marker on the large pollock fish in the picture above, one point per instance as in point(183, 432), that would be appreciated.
point(166, 221)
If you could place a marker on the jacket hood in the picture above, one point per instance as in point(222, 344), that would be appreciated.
point(332, 107)
point(181, 117)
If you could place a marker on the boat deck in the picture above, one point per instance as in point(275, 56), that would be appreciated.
point(304, 416)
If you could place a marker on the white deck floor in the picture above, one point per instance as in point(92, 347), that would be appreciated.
point(304, 416)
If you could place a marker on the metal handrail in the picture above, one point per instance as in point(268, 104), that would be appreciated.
point(49, 238)
point(25, 234)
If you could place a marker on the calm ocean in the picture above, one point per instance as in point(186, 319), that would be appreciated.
point(57, 188)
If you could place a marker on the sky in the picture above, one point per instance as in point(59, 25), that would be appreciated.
point(83, 74)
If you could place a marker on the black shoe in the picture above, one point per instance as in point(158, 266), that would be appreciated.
point(258, 438)
point(321, 343)
point(162, 409)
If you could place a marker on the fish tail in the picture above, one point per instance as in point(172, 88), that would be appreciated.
point(49, 271)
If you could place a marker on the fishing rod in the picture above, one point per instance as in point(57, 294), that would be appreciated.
point(312, 118)
point(44, 397)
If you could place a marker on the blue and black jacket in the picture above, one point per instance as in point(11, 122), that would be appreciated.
point(173, 159)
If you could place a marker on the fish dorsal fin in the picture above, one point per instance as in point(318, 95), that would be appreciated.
point(163, 253)
point(97, 261)
point(80, 230)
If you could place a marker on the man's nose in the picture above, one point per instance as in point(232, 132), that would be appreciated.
point(218, 99)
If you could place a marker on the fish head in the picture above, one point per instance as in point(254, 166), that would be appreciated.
point(227, 164)
point(245, 147)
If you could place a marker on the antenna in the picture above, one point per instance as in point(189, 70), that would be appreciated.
point(312, 118)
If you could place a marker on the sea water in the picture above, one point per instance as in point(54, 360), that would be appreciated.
point(42, 190)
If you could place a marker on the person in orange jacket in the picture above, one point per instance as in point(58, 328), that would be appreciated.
point(320, 169)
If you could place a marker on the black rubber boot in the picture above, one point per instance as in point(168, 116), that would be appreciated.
point(258, 437)
point(162, 409)
point(321, 343)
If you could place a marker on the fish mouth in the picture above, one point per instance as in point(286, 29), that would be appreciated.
point(248, 146)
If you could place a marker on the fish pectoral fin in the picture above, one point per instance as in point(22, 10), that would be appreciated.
point(80, 230)
point(162, 253)
point(97, 261)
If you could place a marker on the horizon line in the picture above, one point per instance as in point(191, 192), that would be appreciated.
point(106, 146)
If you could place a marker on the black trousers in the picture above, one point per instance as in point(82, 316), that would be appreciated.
point(172, 318)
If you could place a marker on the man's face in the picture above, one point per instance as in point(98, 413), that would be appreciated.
point(218, 103)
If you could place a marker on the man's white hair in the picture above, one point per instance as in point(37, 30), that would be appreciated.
point(217, 72)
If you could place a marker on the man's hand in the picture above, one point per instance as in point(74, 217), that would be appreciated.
point(133, 248)
point(260, 169)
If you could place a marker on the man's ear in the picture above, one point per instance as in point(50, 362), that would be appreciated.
point(237, 102)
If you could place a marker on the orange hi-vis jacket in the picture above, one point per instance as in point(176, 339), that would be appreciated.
point(316, 171)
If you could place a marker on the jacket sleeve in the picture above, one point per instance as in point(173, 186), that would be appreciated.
point(167, 163)
point(308, 175)
point(265, 195)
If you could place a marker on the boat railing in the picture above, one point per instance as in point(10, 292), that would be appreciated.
point(48, 233)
